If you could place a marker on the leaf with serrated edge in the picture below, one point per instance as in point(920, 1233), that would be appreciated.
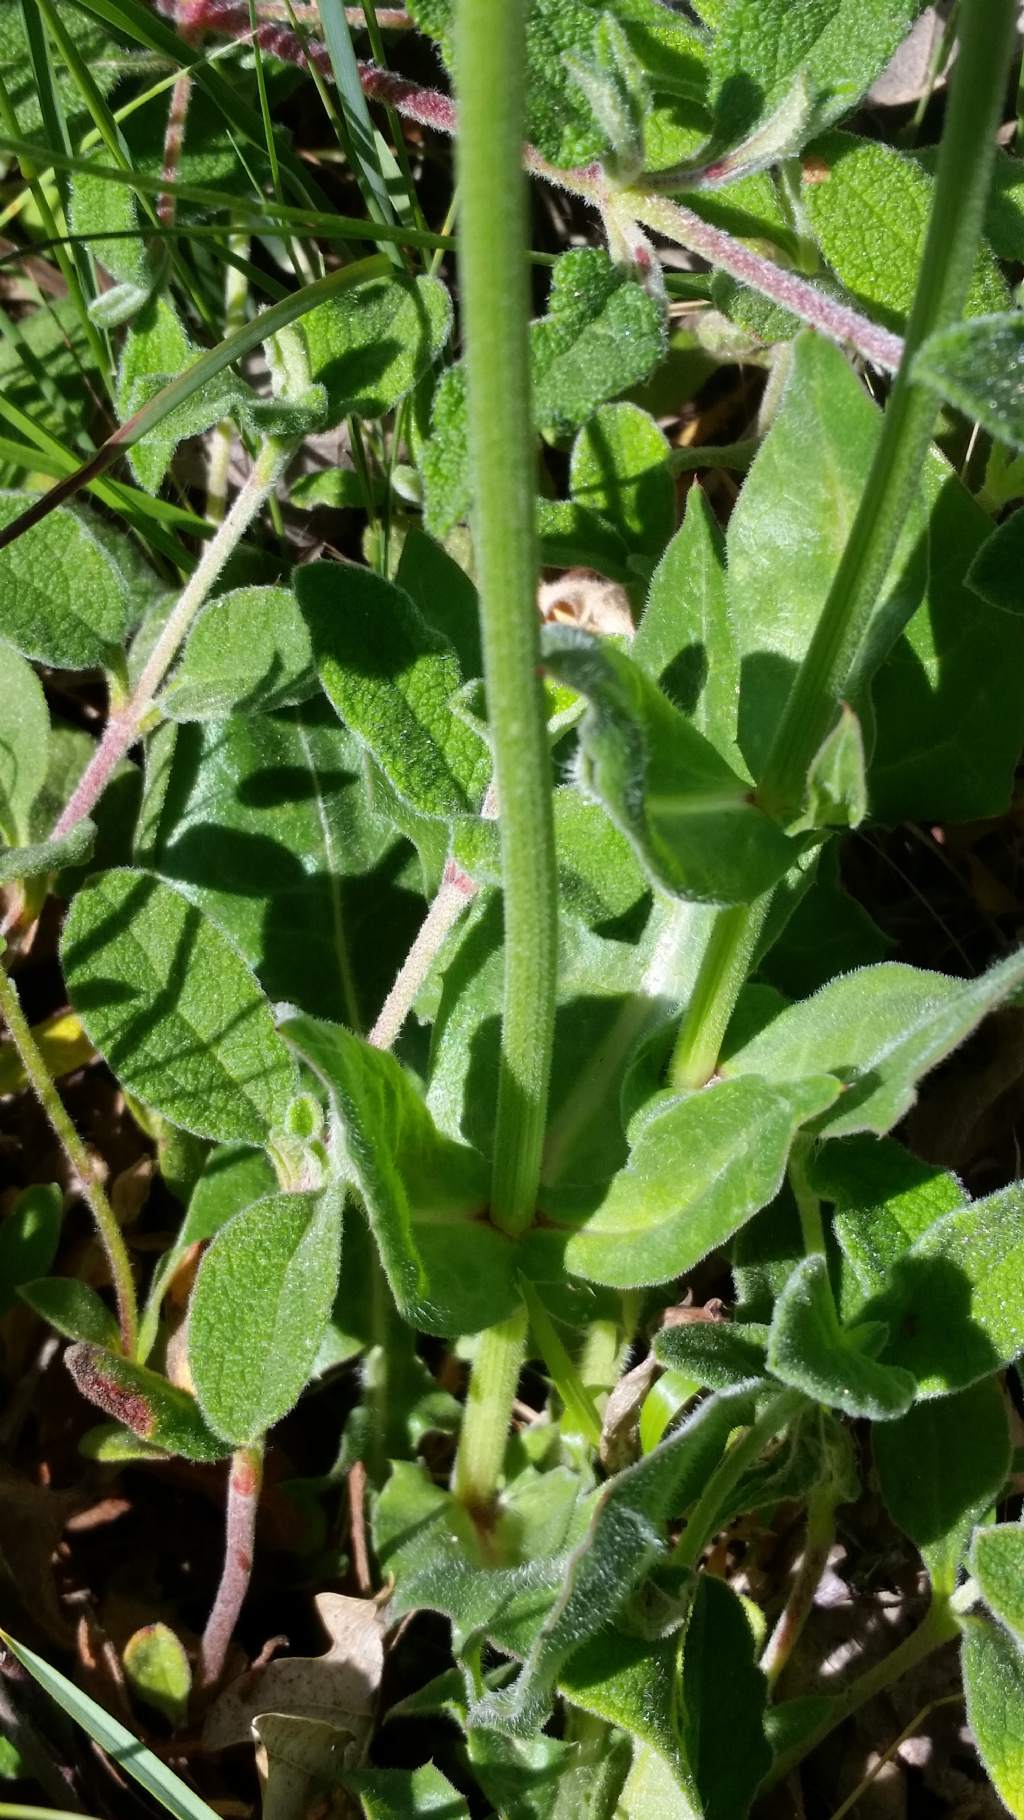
point(174, 1009)
point(699, 1171)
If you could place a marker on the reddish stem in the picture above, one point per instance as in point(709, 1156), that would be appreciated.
point(244, 1482)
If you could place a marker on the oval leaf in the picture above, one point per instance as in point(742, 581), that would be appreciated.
point(63, 598)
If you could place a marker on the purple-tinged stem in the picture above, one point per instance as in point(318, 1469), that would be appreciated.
point(244, 1483)
point(456, 891)
point(818, 1540)
point(122, 729)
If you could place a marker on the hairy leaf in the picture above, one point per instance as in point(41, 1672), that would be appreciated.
point(248, 652)
point(174, 1009)
point(620, 471)
point(73, 1308)
point(809, 1349)
point(144, 1402)
point(714, 1354)
point(369, 346)
point(24, 739)
point(993, 1672)
point(977, 367)
point(261, 1303)
point(940, 1467)
point(685, 641)
point(63, 598)
point(28, 1239)
point(997, 1556)
point(884, 1200)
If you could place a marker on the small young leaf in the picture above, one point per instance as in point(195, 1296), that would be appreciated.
point(392, 679)
point(261, 1303)
point(997, 1557)
point(977, 367)
point(689, 818)
point(406, 1794)
point(837, 795)
point(809, 1349)
point(173, 1009)
point(685, 641)
point(450, 1271)
point(153, 1409)
point(613, 83)
point(63, 598)
point(955, 1305)
point(993, 1672)
point(48, 855)
point(248, 653)
point(157, 1671)
point(24, 739)
point(28, 1239)
point(369, 346)
point(714, 1354)
point(880, 1029)
point(940, 1467)
point(72, 1308)
point(620, 470)
point(698, 1172)
point(869, 207)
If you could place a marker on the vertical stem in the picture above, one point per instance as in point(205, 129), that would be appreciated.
point(818, 1539)
point(122, 728)
point(954, 229)
point(723, 973)
point(491, 70)
point(492, 1387)
point(703, 1520)
point(245, 1478)
point(110, 1232)
point(808, 1204)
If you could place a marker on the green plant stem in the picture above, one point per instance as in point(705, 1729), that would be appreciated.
point(491, 67)
point(245, 1480)
point(123, 726)
point(703, 1520)
point(938, 1626)
point(830, 665)
point(110, 1232)
point(808, 1204)
point(492, 1388)
point(961, 191)
point(723, 972)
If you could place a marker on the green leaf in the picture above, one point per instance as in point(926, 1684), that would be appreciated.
point(997, 1553)
point(174, 1009)
point(868, 206)
point(697, 1173)
point(369, 347)
point(631, 1683)
point(955, 1308)
point(995, 573)
point(685, 641)
point(884, 1200)
point(602, 334)
point(63, 598)
point(809, 1349)
point(993, 1672)
point(98, 207)
point(24, 740)
point(73, 1309)
point(450, 1271)
point(28, 1239)
point(405, 1794)
point(880, 1030)
point(620, 470)
point(121, 1746)
point(837, 794)
point(977, 367)
point(714, 1354)
point(248, 653)
point(940, 1467)
point(688, 816)
point(444, 594)
point(259, 1310)
point(157, 1671)
point(789, 529)
point(724, 1741)
point(836, 48)
point(827, 932)
point(265, 822)
point(392, 679)
point(49, 855)
point(144, 1402)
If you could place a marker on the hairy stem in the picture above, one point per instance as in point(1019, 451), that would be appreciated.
point(491, 65)
point(122, 728)
point(938, 1626)
point(110, 1232)
point(492, 1387)
point(245, 1478)
point(961, 192)
point(818, 1540)
point(723, 971)
point(457, 890)
point(703, 1520)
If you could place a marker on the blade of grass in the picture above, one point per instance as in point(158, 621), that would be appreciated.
point(124, 1749)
